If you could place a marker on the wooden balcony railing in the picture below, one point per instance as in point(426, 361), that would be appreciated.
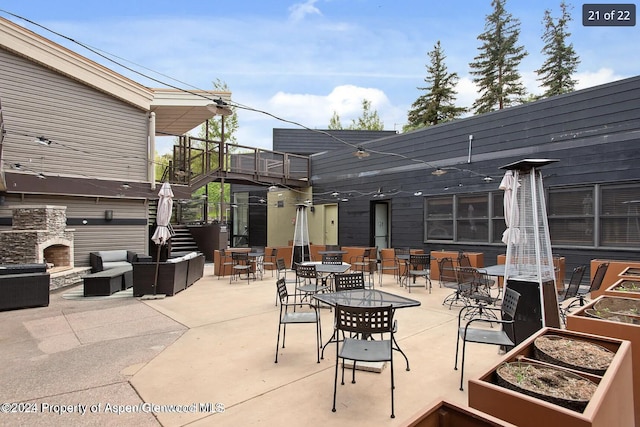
point(198, 161)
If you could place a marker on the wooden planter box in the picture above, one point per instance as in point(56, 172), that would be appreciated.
point(447, 414)
point(579, 321)
point(631, 273)
point(616, 268)
point(614, 290)
point(611, 404)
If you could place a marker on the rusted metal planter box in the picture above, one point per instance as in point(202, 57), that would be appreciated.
point(616, 290)
point(446, 414)
point(611, 404)
point(579, 321)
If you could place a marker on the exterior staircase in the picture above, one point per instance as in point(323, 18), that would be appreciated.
point(182, 242)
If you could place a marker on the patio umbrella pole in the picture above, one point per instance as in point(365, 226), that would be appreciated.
point(163, 232)
point(155, 295)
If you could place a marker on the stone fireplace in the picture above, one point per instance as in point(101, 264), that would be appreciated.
point(39, 234)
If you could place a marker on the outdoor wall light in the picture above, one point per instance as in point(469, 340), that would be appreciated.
point(361, 154)
point(438, 172)
point(418, 193)
point(487, 179)
point(42, 140)
point(273, 188)
point(108, 215)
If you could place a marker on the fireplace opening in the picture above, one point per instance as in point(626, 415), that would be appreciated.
point(57, 257)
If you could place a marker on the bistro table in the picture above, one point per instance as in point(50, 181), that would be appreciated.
point(328, 270)
point(257, 258)
point(365, 298)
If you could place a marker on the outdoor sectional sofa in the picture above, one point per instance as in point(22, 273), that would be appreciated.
point(103, 260)
point(23, 285)
point(174, 275)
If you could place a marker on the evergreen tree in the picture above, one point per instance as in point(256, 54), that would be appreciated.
point(561, 59)
point(437, 104)
point(496, 67)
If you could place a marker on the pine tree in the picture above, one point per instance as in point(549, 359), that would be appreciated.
point(496, 67)
point(437, 104)
point(561, 59)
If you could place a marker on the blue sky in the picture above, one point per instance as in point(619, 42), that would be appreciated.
point(303, 60)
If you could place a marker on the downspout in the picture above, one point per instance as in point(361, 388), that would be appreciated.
point(151, 168)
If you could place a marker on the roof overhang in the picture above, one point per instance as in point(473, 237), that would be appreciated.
point(177, 111)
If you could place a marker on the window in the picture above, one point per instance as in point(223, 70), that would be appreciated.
point(619, 218)
point(497, 217)
point(439, 218)
point(571, 216)
point(596, 216)
point(464, 217)
point(472, 218)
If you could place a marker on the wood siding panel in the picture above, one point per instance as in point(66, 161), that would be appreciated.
point(97, 234)
point(595, 133)
point(95, 135)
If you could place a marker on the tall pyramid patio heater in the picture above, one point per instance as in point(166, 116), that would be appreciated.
point(301, 245)
point(529, 262)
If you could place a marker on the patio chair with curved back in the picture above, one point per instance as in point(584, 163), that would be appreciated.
point(450, 278)
point(307, 281)
point(388, 263)
point(281, 269)
point(269, 260)
point(296, 317)
point(571, 290)
point(581, 297)
point(225, 260)
point(418, 266)
point(367, 262)
point(347, 281)
point(485, 335)
point(241, 265)
point(357, 324)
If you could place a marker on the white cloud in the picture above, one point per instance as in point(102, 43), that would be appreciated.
point(316, 110)
point(590, 79)
point(300, 10)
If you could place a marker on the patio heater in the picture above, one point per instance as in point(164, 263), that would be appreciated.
point(301, 246)
point(529, 262)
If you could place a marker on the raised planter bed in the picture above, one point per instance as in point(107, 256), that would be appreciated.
point(616, 326)
point(610, 404)
point(625, 288)
point(447, 414)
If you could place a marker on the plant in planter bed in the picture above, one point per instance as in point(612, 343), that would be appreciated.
point(587, 400)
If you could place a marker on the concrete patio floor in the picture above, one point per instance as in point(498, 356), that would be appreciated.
point(214, 343)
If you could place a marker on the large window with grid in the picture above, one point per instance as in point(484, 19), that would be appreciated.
point(600, 215)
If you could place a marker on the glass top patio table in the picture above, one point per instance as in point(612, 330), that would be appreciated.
point(329, 268)
point(494, 270)
point(365, 298)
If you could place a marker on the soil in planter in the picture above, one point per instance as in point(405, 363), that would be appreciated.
point(613, 317)
point(571, 353)
point(628, 286)
point(628, 306)
point(550, 384)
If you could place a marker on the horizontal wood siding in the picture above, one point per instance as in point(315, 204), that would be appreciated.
point(127, 230)
point(94, 135)
point(594, 133)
